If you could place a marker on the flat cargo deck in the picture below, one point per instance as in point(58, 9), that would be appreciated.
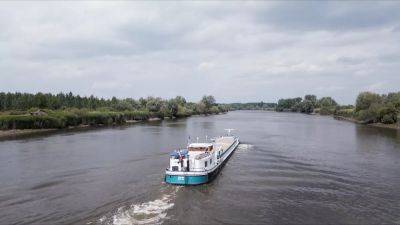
point(225, 142)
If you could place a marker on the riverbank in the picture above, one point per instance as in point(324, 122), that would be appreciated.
point(380, 125)
point(20, 133)
point(5, 134)
point(60, 119)
point(387, 126)
point(347, 119)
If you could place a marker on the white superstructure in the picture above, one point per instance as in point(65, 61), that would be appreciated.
point(200, 159)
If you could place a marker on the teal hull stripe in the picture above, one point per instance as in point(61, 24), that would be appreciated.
point(186, 180)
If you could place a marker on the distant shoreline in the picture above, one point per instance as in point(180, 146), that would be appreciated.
point(392, 126)
point(20, 133)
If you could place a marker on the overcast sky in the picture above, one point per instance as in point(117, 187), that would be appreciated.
point(237, 51)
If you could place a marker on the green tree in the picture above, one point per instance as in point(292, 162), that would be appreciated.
point(40, 101)
point(366, 99)
point(388, 114)
point(208, 101)
point(288, 104)
point(123, 105)
point(180, 100)
point(312, 99)
point(200, 108)
point(143, 103)
point(370, 115)
point(307, 106)
point(154, 104)
point(172, 107)
point(327, 102)
point(394, 99)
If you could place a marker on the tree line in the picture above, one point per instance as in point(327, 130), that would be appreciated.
point(170, 107)
point(17, 110)
point(46, 110)
point(372, 108)
point(308, 104)
point(252, 106)
point(369, 107)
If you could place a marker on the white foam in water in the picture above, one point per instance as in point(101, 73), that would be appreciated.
point(152, 212)
point(146, 213)
point(244, 147)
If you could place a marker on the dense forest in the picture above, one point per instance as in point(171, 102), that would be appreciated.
point(30, 111)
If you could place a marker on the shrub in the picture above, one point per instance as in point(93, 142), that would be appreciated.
point(398, 120)
point(30, 122)
point(136, 115)
point(16, 112)
point(388, 119)
point(388, 114)
point(214, 110)
point(156, 115)
point(96, 118)
point(326, 110)
point(183, 111)
point(345, 112)
point(368, 115)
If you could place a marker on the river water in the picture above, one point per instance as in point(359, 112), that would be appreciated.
point(289, 169)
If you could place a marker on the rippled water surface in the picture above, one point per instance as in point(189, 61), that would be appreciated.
point(289, 169)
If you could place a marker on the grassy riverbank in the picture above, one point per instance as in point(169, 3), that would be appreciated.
point(27, 124)
point(22, 114)
point(58, 119)
point(380, 125)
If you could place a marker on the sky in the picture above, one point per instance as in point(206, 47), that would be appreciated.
point(237, 51)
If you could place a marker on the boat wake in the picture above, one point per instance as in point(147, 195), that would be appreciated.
point(244, 147)
point(152, 212)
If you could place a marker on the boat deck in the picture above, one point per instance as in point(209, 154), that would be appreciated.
point(225, 142)
point(198, 175)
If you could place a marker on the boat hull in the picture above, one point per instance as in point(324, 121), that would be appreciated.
point(185, 179)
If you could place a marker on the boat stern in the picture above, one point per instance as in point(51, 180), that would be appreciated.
point(186, 179)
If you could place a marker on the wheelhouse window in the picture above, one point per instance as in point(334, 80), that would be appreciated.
point(205, 164)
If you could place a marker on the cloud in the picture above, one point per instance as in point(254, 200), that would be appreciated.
point(204, 66)
point(350, 61)
point(109, 85)
point(376, 87)
point(237, 51)
point(341, 16)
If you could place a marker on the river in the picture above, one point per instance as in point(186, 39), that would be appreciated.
point(289, 169)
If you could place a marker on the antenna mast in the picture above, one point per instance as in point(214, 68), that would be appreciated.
point(229, 131)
